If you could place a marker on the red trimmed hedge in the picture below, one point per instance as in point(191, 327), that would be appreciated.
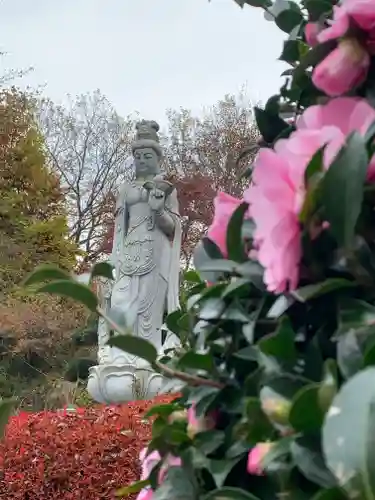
point(86, 454)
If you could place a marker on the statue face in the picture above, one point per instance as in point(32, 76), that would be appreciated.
point(146, 162)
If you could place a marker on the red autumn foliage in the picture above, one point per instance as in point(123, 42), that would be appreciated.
point(65, 455)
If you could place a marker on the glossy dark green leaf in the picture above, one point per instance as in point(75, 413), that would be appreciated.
point(258, 427)
point(356, 330)
point(211, 249)
point(177, 484)
point(192, 276)
point(329, 385)
point(227, 493)
point(342, 189)
point(136, 346)
point(306, 414)
point(162, 410)
point(308, 458)
point(102, 269)
point(218, 265)
point(317, 8)
point(270, 125)
point(197, 361)
point(290, 51)
point(288, 19)
point(235, 246)
point(309, 292)
point(46, 272)
point(73, 290)
point(330, 494)
point(254, 272)
point(348, 436)
point(314, 167)
point(132, 488)
point(209, 441)
point(236, 287)
point(249, 353)
point(280, 344)
point(7, 407)
point(369, 356)
point(279, 449)
point(211, 309)
point(219, 469)
point(258, 3)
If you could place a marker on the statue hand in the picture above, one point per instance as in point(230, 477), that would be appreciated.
point(156, 200)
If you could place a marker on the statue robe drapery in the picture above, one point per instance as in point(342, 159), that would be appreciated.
point(146, 264)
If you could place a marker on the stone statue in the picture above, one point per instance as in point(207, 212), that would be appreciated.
point(146, 258)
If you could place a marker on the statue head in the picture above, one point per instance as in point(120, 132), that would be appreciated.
point(146, 149)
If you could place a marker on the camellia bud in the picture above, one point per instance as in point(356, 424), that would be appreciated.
point(277, 410)
point(256, 457)
point(177, 416)
point(198, 424)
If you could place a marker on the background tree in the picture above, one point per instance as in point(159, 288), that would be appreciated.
point(88, 144)
point(201, 158)
point(33, 223)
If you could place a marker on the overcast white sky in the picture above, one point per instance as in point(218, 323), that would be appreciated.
point(144, 55)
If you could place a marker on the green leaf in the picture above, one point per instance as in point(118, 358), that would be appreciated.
point(6, 409)
point(355, 334)
point(197, 361)
point(235, 247)
point(329, 384)
point(219, 469)
point(163, 410)
point(227, 493)
point(270, 125)
point(306, 414)
point(317, 9)
point(258, 3)
point(192, 276)
point(348, 436)
point(104, 269)
point(132, 488)
point(218, 265)
point(290, 51)
point(211, 249)
point(369, 357)
point(177, 484)
point(209, 441)
point(330, 494)
point(314, 167)
point(135, 346)
point(281, 343)
point(279, 449)
point(309, 292)
point(308, 458)
point(45, 273)
point(288, 19)
point(258, 427)
point(342, 189)
point(73, 290)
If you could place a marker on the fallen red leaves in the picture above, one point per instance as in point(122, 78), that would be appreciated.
point(86, 454)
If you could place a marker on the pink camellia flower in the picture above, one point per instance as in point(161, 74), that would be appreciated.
point(224, 205)
point(145, 494)
point(277, 194)
point(255, 458)
point(149, 461)
point(312, 31)
point(347, 65)
point(198, 424)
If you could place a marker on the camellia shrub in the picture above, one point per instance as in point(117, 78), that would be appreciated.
point(277, 373)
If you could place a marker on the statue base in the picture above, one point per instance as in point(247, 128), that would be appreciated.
point(116, 383)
